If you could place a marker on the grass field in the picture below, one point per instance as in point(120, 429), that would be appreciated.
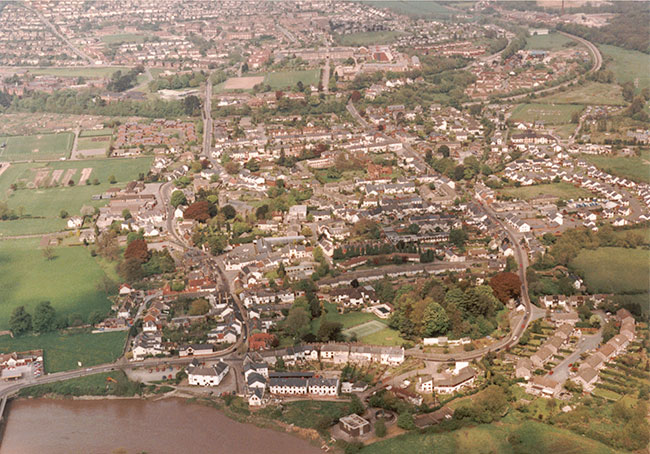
point(589, 93)
point(63, 351)
point(306, 413)
point(68, 281)
point(547, 113)
point(46, 203)
point(628, 65)
point(92, 385)
point(614, 270)
point(283, 79)
point(386, 336)
point(552, 41)
point(96, 132)
point(525, 438)
point(123, 38)
point(562, 190)
point(93, 143)
point(634, 168)
point(368, 38)
point(91, 72)
point(40, 147)
point(414, 8)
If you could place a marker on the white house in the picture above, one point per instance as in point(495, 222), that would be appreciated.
point(207, 376)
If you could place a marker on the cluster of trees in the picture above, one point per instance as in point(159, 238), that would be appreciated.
point(470, 168)
point(178, 81)
point(306, 308)
point(515, 46)
point(45, 319)
point(488, 406)
point(124, 81)
point(434, 309)
point(89, 102)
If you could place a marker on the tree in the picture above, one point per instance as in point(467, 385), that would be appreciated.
point(297, 322)
point(380, 428)
point(436, 321)
point(199, 211)
point(506, 286)
point(138, 250)
point(130, 270)
point(405, 421)
point(107, 245)
point(44, 317)
point(356, 406)
point(63, 214)
point(262, 211)
point(95, 317)
point(229, 212)
point(20, 321)
point(457, 237)
point(444, 151)
point(329, 331)
point(199, 307)
point(178, 198)
point(48, 253)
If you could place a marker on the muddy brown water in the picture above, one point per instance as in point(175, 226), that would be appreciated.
point(172, 426)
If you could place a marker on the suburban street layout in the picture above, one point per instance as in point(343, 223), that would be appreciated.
point(338, 226)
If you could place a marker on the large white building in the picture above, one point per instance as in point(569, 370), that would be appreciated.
point(207, 376)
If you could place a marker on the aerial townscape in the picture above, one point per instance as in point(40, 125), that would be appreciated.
point(324, 226)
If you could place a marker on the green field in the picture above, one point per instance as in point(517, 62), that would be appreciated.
point(547, 113)
point(91, 385)
point(307, 413)
point(123, 38)
point(283, 79)
point(93, 143)
point(552, 41)
point(562, 190)
point(96, 132)
point(365, 329)
point(414, 8)
point(386, 336)
point(368, 38)
point(589, 93)
point(68, 281)
point(614, 270)
point(526, 438)
point(63, 351)
point(89, 71)
point(45, 204)
point(38, 147)
point(634, 168)
point(628, 65)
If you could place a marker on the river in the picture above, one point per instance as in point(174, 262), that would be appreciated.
point(132, 426)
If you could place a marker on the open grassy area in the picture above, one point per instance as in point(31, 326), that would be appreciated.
point(525, 438)
point(414, 8)
point(96, 132)
point(307, 413)
point(93, 143)
point(38, 147)
point(68, 281)
point(386, 336)
point(123, 38)
point(90, 71)
point(63, 351)
point(546, 113)
point(628, 65)
point(46, 203)
point(614, 270)
point(368, 38)
point(283, 79)
point(562, 190)
point(589, 93)
point(349, 319)
point(92, 385)
point(634, 168)
point(552, 41)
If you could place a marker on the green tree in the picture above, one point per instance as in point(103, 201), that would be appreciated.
point(178, 198)
point(380, 428)
point(405, 421)
point(436, 321)
point(20, 321)
point(199, 307)
point(44, 317)
point(297, 322)
point(329, 331)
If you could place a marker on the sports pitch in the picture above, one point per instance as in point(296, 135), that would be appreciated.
point(36, 147)
point(365, 329)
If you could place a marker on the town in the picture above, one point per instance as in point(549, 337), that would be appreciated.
point(376, 226)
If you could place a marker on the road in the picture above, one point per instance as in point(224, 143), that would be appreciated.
point(56, 32)
point(561, 371)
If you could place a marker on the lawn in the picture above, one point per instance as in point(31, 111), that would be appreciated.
point(283, 79)
point(552, 41)
point(526, 438)
point(562, 190)
point(349, 319)
point(46, 203)
point(627, 65)
point(96, 132)
point(634, 168)
point(123, 38)
point(386, 336)
point(90, 71)
point(307, 413)
point(91, 385)
point(68, 281)
point(64, 351)
point(553, 114)
point(368, 38)
point(40, 147)
point(93, 143)
point(589, 93)
point(414, 8)
point(614, 270)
